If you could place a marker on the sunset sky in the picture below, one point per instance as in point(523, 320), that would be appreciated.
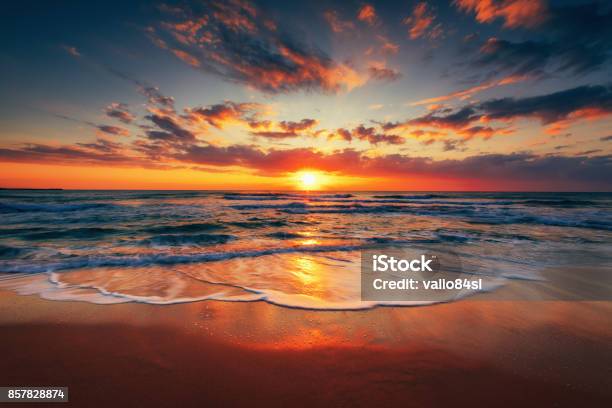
point(347, 95)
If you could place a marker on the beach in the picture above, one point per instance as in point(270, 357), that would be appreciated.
point(483, 352)
point(198, 298)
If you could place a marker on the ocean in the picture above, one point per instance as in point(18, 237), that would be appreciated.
point(293, 249)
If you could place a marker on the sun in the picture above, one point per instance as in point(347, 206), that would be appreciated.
point(308, 180)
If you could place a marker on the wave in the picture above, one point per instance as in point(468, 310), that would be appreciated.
point(543, 220)
point(187, 240)
point(268, 206)
point(23, 230)
point(260, 196)
point(257, 194)
point(162, 194)
point(282, 196)
point(11, 252)
point(560, 203)
point(336, 196)
point(73, 233)
point(469, 214)
point(53, 288)
point(284, 235)
point(186, 228)
point(258, 224)
point(411, 197)
point(252, 198)
point(360, 203)
point(161, 287)
point(28, 207)
point(163, 258)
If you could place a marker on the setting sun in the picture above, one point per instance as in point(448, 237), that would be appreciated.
point(308, 181)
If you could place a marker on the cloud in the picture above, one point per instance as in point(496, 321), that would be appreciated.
point(285, 129)
point(557, 111)
point(486, 132)
point(155, 97)
point(302, 125)
point(101, 153)
point(589, 152)
point(606, 138)
point(560, 109)
point(387, 46)
point(120, 111)
point(272, 134)
point(459, 119)
point(369, 134)
point(336, 23)
point(450, 145)
point(574, 39)
point(288, 129)
point(186, 57)
point(113, 130)
point(170, 130)
point(380, 72)
point(233, 40)
point(102, 145)
point(367, 14)
point(526, 170)
point(71, 50)
point(342, 134)
point(421, 23)
point(108, 129)
point(469, 92)
point(228, 112)
point(520, 58)
point(514, 13)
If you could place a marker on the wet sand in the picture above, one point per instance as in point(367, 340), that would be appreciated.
point(468, 353)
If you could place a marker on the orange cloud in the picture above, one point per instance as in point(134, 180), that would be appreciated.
point(421, 21)
point(515, 13)
point(367, 14)
point(586, 114)
point(387, 47)
point(186, 57)
point(469, 92)
point(336, 23)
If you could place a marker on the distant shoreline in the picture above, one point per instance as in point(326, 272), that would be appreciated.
point(44, 189)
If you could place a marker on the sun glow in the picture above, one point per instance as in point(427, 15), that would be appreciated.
point(308, 180)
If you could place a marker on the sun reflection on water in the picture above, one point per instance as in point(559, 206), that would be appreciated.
point(309, 275)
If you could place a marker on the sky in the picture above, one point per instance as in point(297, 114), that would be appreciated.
point(482, 95)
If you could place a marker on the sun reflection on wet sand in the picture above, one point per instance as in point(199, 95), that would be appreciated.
point(310, 276)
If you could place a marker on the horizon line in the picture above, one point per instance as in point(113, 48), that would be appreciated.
point(305, 191)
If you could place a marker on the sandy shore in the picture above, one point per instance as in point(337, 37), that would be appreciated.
point(469, 353)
